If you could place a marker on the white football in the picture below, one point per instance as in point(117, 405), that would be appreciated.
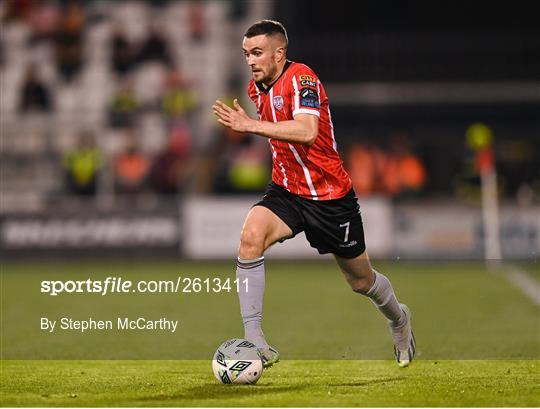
point(237, 361)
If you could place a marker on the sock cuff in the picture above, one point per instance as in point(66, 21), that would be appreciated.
point(249, 264)
point(376, 283)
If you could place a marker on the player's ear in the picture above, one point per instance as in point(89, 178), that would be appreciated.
point(280, 54)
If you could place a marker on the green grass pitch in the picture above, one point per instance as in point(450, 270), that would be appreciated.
point(290, 383)
point(478, 339)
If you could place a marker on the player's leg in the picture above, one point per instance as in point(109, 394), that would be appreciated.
point(261, 229)
point(365, 280)
point(336, 227)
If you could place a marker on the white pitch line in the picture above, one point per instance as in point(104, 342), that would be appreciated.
point(528, 285)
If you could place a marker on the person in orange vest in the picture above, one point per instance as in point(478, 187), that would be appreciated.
point(131, 170)
point(413, 173)
point(361, 168)
point(404, 173)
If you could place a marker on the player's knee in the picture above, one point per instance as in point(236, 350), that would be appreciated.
point(251, 237)
point(361, 285)
point(251, 243)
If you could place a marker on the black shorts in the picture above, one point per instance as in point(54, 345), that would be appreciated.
point(331, 226)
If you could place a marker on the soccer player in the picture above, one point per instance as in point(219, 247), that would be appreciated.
point(310, 190)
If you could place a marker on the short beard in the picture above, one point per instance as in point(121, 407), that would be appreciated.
point(266, 80)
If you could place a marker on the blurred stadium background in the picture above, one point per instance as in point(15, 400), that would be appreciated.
point(109, 145)
point(111, 164)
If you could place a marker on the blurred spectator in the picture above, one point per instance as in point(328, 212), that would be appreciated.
point(123, 106)
point(82, 166)
point(17, 10)
point(249, 171)
point(155, 48)
point(131, 169)
point(363, 161)
point(69, 41)
point(123, 55)
point(197, 23)
point(178, 99)
point(467, 182)
point(171, 167)
point(396, 173)
point(240, 164)
point(43, 19)
point(408, 174)
point(35, 95)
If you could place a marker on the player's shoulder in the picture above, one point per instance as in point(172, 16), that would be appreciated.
point(298, 68)
point(303, 76)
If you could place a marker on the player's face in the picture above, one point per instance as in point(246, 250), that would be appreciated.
point(263, 53)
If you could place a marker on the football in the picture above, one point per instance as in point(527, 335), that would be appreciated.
point(237, 361)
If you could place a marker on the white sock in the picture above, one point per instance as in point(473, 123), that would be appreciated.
point(251, 301)
point(383, 296)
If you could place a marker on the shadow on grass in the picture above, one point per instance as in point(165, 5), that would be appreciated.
point(368, 382)
point(224, 392)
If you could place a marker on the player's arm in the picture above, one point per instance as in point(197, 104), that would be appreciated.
point(303, 129)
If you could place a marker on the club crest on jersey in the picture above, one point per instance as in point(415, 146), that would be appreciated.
point(278, 102)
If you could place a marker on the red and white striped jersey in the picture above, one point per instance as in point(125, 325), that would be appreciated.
point(314, 172)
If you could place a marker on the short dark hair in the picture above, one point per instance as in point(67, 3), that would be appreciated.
point(267, 27)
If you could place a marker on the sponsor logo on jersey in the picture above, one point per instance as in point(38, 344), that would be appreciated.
point(278, 102)
point(306, 83)
point(309, 98)
point(306, 78)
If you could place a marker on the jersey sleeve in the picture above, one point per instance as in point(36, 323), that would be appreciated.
point(306, 93)
point(251, 91)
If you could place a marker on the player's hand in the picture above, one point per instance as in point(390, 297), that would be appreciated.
point(234, 118)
